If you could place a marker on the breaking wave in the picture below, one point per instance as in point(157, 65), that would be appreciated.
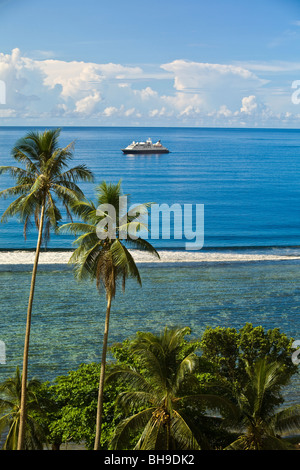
point(17, 260)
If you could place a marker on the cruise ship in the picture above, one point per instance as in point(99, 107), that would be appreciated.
point(145, 147)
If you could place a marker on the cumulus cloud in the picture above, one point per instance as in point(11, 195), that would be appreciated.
point(203, 87)
point(195, 75)
point(58, 87)
point(110, 111)
point(88, 104)
point(177, 92)
point(248, 104)
point(146, 93)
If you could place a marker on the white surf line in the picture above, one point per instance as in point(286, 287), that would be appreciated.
point(19, 258)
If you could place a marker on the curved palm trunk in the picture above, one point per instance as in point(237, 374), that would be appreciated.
point(27, 336)
point(102, 377)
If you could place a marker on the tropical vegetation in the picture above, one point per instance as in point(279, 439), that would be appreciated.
point(164, 400)
point(161, 392)
point(262, 426)
point(10, 404)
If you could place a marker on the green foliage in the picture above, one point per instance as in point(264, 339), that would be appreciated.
point(74, 399)
point(164, 380)
point(10, 399)
point(230, 351)
point(163, 400)
point(258, 404)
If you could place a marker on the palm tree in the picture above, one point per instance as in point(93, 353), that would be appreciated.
point(10, 402)
point(46, 175)
point(103, 255)
point(163, 393)
point(257, 403)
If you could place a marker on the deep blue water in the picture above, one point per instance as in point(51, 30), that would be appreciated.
point(248, 180)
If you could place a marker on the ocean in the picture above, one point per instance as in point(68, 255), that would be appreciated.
point(248, 180)
point(248, 183)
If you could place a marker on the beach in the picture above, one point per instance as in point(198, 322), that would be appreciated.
point(22, 260)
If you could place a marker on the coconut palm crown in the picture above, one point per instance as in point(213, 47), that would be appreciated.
point(103, 254)
point(261, 421)
point(45, 179)
point(10, 398)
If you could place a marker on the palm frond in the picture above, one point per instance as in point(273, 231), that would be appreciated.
point(44, 161)
point(53, 214)
point(65, 194)
point(13, 209)
point(150, 435)
point(287, 420)
point(16, 190)
point(77, 173)
point(186, 366)
point(213, 402)
point(182, 433)
point(142, 245)
point(86, 210)
point(14, 171)
point(74, 228)
point(130, 425)
point(129, 378)
point(124, 261)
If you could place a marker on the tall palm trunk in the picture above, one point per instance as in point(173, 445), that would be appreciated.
point(27, 336)
point(102, 377)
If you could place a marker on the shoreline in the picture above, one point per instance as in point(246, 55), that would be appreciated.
point(20, 259)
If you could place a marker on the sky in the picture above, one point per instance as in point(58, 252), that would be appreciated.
point(215, 63)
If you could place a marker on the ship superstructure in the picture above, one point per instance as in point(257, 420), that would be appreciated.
point(145, 147)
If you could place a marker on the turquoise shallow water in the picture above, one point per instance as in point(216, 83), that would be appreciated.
point(68, 317)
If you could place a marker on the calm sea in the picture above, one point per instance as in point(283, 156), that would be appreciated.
point(249, 183)
point(248, 180)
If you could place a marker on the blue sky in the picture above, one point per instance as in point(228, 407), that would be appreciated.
point(162, 63)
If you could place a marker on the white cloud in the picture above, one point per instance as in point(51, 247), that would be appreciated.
point(88, 104)
point(195, 75)
point(187, 92)
point(146, 93)
point(129, 112)
point(7, 113)
point(248, 104)
point(203, 89)
point(110, 111)
point(159, 112)
point(224, 111)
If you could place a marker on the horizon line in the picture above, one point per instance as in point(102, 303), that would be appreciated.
point(149, 127)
